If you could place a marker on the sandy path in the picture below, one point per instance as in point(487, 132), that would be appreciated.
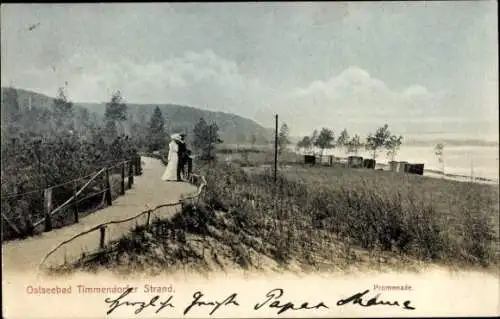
point(148, 189)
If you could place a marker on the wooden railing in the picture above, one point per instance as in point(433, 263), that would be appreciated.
point(197, 180)
point(128, 169)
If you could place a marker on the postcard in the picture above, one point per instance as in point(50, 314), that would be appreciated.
point(250, 160)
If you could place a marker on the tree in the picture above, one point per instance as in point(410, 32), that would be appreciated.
point(378, 140)
point(110, 131)
point(62, 111)
point(11, 113)
point(324, 140)
point(199, 131)
point(139, 128)
point(253, 140)
point(392, 145)
point(313, 138)
point(343, 140)
point(10, 104)
point(116, 110)
point(354, 144)
point(439, 152)
point(283, 139)
point(205, 138)
point(83, 122)
point(305, 143)
point(156, 136)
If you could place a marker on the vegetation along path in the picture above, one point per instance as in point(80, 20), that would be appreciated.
point(148, 191)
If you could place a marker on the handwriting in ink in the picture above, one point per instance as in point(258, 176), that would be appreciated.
point(276, 294)
point(357, 299)
point(230, 300)
point(141, 305)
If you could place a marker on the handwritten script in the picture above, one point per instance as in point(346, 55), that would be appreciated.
point(138, 305)
point(274, 300)
point(357, 299)
point(214, 305)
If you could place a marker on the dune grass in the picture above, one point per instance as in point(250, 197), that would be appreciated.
point(318, 218)
point(423, 218)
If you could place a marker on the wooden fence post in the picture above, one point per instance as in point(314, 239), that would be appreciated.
point(138, 168)
point(149, 216)
point(47, 196)
point(108, 188)
point(130, 173)
point(75, 202)
point(103, 234)
point(29, 228)
point(123, 179)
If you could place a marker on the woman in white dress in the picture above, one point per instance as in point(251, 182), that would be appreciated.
point(170, 173)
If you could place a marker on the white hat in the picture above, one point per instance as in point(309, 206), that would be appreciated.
point(176, 137)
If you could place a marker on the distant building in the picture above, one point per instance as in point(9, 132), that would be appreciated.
point(355, 162)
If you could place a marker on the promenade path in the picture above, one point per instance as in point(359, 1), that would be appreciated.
point(148, 191)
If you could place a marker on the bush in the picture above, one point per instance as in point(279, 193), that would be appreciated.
point(386, 213)
point(31, 164)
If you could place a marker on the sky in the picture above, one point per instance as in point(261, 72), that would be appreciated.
point(424, 68)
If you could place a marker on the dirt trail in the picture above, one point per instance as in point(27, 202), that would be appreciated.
point(148, 190)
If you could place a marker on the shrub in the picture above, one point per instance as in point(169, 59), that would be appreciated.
point(31, 163)
point(386, 213)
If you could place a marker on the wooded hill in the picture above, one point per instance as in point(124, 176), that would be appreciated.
point(232, 128)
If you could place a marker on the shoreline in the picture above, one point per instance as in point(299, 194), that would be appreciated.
point(435, 173)
point(485, 172)
point(427, 173)
point(450, 176)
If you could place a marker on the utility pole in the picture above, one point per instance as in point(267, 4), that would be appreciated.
point(276, 149)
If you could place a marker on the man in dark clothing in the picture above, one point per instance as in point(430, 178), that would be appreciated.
point(185, 159)
point(181, 157)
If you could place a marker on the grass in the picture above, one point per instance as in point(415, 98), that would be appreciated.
point(427, 218)
point(255, 156)
point(318, 218)
point(423, 218)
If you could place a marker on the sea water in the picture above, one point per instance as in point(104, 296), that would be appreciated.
point(476, 161)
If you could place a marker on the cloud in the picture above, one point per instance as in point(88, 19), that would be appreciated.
point(354, 96)
point(351, 85)
point(202, 79)
point(416, 91)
